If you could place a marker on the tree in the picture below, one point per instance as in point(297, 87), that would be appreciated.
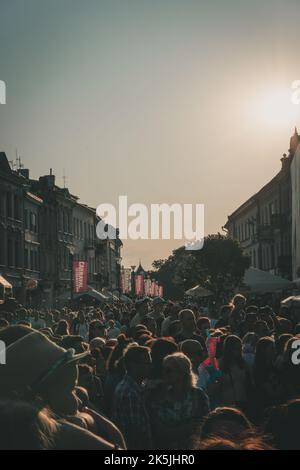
point(219, 266)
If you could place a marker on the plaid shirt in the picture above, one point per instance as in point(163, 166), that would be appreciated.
point(130, 414)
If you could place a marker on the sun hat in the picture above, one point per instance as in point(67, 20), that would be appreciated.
point(33, 361)
point(158, 301)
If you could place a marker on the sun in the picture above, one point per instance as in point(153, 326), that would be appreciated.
point(275, 108)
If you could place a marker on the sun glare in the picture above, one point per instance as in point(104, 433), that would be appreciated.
point(275, 109)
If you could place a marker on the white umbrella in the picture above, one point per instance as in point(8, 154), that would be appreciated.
point(257, 280)
point(94, 294)
point(199, 291)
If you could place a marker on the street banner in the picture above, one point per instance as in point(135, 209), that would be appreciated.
point(147, 287)
point(80, 275)
point(139, 284)
point(160, 291)
point(153, 289)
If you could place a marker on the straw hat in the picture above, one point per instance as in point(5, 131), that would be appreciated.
point(32, 363)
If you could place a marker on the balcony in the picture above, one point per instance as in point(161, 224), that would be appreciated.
point(65, 237)
point(11, 222)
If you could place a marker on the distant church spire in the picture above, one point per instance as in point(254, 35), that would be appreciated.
point(140, 269)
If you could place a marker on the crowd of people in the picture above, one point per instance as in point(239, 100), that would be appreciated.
point(150, 374)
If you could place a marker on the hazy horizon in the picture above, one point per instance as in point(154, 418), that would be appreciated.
point(167, 101)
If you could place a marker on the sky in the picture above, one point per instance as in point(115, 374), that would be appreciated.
point(165, 101)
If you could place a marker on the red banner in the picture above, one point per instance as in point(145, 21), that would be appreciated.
point(160, 291)
point(147, 287)
point(153, 289)
point(139, 284)
point(80, 276)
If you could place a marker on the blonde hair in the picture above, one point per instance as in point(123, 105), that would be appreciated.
point(183, 366)
point(238, 297)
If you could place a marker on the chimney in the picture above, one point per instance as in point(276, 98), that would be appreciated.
point(24, 172)
point(284, 161)
point(48, 180)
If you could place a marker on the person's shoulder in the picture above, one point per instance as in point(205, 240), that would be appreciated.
point(125, 387)
point(121, 385)
point(199, 338)
point(71, 436)
point(198, 392)
point(199, 397)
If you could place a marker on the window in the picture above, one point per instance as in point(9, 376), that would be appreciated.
point(16, 207)
point(9, 253)
point(8, 205)
point(31, 260)
point(17, 260)
point(267, 257)
point(26, 219)
point(33, 222)
point(272, 257)
point(35, 261)
point(26, 258)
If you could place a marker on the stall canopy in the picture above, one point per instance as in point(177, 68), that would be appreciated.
point(125, 299)
point(198, 291)
point(256, 280)
point(94, 294)
point(110, 296)
point(5, 283)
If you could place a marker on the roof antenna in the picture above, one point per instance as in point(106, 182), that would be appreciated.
point(64, 178)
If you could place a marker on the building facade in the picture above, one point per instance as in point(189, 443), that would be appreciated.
point(43, 229)
point(56, 238)
point(11, 226)
point(84, 238)
point(32, 271)
point(295, 180)
point(126, 280)
point(263, 224)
